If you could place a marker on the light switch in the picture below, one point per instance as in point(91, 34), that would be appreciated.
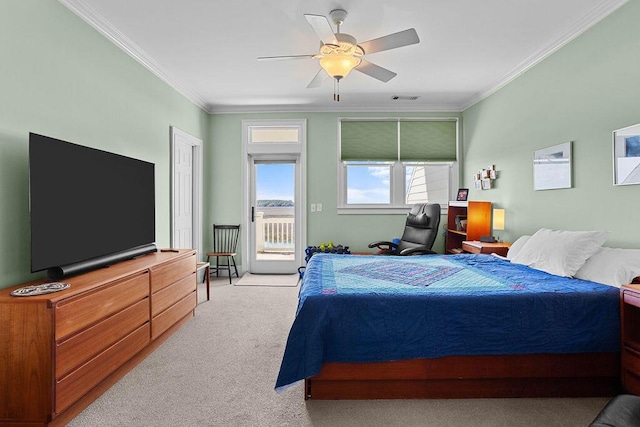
point(313, 207)
point(319, 207)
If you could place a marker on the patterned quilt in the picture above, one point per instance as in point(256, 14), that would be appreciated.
point(377, 308)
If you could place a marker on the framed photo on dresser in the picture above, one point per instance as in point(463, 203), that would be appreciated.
point(463, 194)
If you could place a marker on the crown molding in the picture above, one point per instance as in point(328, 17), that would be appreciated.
point(589, 20)
point(284, 109)
point(94, 19)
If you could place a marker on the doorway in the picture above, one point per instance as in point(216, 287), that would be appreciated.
point(186, 193)
point(274, 231)
point(274, 198)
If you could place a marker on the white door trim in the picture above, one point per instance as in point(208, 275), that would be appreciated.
point(196, 145)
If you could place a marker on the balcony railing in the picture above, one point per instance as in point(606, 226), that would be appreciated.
point(275, 230)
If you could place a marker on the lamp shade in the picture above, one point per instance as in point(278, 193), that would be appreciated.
point(498, 219)
point(339, 65)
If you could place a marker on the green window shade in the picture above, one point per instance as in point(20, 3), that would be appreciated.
point(369, 140)
point(427, 141)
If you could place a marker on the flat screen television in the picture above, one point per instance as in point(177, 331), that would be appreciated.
point(89, 208)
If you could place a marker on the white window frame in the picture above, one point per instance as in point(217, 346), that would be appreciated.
point(397, 177)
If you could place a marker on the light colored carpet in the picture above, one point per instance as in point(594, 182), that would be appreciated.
point(249, 279)
point(220, 368)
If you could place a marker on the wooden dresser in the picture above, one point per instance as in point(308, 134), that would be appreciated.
point(60, 351)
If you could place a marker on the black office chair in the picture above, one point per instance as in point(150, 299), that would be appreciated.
point(225, 240)
point(420, 231)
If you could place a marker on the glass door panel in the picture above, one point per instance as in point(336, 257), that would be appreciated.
point(273, 214)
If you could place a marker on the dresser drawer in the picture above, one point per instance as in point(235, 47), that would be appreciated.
point(630, 382)
point(78, 382)
point(167, 318)
point(168, 296)
point(631, 360)
point(81, 347)
point(631, 298)
point(165, 275)
point(77, 313)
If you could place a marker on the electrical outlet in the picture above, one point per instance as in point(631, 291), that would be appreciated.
point(313, 207)
point(319, 207)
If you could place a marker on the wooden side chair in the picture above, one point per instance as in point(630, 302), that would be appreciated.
point(225, 241)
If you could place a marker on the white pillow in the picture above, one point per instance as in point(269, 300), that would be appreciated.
point(559, 252)
point(517, 246)
point(611, 266)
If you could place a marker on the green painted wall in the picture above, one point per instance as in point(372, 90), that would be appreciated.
point(223, 200)
point(581, 93)
point(60, 77)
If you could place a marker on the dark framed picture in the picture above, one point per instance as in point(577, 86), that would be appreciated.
point(463, 193)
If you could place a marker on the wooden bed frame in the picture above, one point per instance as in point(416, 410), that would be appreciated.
point(537, 375)
point(455, 377)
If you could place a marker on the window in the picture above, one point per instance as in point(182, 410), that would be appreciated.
point(273, 134)
point(427, 182)
point(389, 164)
point(368, 183)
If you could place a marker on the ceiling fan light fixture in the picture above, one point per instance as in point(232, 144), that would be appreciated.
point(339, 65)
point(340, 52)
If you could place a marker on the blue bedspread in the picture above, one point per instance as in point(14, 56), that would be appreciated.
point(376, 308)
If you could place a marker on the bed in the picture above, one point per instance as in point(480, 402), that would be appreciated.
point(372, 327)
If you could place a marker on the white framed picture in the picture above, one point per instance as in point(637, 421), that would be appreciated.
point(552, 167)
point(626, 155)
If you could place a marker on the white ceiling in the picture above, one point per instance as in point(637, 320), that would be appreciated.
point(207, 49)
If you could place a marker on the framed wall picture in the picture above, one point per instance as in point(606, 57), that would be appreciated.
point(626, 155)
point(552, 167)
point(463, 194)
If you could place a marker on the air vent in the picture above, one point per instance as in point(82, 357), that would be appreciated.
point(404, 98)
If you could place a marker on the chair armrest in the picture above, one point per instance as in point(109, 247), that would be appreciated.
point(389, 245)
point(417, 251)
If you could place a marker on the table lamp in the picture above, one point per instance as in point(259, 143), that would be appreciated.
point(498, 220)
point(498, 224)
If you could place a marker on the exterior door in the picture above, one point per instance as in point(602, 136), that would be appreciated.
point(275, 209)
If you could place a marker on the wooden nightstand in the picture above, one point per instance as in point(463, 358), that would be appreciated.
point(478, 247)
point(630, 333)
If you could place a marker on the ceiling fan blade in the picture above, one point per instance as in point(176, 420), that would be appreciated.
point(322, 28)
point(375, 71)
point(318, 79)
point(392, 41)
point(268, 58)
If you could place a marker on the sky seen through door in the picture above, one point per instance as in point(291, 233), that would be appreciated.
point(275, 181)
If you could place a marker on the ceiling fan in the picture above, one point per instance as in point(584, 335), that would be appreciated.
point(340, 52)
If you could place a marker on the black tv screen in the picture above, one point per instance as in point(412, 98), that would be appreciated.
point(86, 204)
